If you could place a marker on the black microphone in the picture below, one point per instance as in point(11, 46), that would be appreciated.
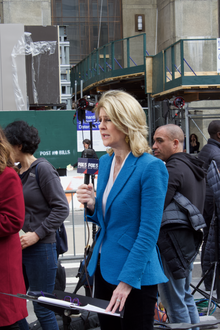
point(88, 166)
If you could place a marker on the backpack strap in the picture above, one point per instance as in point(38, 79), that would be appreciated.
point(61, 236)
point(36, 175)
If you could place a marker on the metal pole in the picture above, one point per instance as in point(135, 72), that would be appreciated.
point(74, 241)
point(187, 127)
point(75, 91)
point(81, 88)
point(149, 120)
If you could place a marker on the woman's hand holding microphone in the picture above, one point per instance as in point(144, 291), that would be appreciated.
point(85, 194)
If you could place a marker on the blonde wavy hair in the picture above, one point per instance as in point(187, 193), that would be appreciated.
point(6, 153)
point(128, 116)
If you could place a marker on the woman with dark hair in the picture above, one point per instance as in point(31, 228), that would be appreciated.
point(12, 213)
point(128, 208)
point(46, 207)
point(194, 143)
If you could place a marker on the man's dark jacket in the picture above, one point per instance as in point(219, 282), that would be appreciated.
point(182, 222)
point(213, 179)
point(211, 250)
point(211, 151)
point(186, 176)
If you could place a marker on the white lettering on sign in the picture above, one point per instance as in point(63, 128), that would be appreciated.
point(45, 153)
point(82, 165)
point(64, 152)
point(93, 166)
point(55, 152)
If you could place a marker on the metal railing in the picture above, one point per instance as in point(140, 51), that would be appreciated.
point(120, 57)
point(186, 62)
point(191, 57)
point(77, 233)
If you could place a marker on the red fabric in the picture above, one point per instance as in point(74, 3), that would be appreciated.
point(12, 212)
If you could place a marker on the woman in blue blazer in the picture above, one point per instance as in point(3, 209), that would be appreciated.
point(128, 209)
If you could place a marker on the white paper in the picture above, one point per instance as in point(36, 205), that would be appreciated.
point(21, 232)
point(70, 305)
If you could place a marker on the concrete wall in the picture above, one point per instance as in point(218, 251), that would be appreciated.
point(149, 9)
point(178, 19)
point(1, 11)
point(167, 21)
point(35, 12)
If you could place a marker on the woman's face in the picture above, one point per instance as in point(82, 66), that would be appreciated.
point(86, 145)
point(110, 134)
point(17, 152)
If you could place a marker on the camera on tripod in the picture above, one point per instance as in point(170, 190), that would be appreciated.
point(85, 104)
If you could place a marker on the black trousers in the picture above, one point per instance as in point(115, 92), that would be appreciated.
point(139, 306)
point(14, 326)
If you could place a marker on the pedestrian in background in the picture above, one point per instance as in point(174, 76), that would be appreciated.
point(194, 144)
point(12, 214)
point(46, 207)
point(128, 209)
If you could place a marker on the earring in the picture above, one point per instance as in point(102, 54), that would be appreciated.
point(127, 139)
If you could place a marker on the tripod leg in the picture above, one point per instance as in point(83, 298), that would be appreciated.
point(212, 287)
point(202, 279)
point(66, 322)
point(218, 283)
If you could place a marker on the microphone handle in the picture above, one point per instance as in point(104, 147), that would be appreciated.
point(86, 181)
point(86, 178)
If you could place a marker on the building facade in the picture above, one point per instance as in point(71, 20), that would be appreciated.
point(37, 12)
point(94, 23)
point(89, 24)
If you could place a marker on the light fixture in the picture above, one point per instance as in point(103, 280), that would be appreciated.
point(140, 23)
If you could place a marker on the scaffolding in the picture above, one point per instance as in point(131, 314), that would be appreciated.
point(185, 117)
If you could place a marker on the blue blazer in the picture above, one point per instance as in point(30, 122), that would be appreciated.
point(129, 232)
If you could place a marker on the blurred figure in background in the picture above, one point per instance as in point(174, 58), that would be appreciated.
point(194, 144)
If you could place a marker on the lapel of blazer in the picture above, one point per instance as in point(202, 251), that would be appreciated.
point(122, 178)
point(103, 180)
